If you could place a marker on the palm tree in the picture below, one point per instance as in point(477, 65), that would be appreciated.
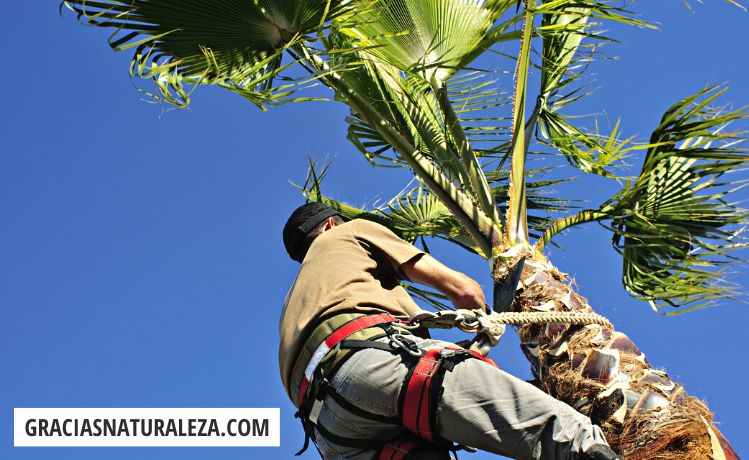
point(410, 72)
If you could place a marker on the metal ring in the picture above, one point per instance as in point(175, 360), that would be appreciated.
point(397, 341)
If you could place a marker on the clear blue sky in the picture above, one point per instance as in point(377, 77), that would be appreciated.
point(141, 263)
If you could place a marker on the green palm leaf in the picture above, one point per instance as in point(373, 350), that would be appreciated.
point(233, 43)
point(429, 40)
point(674, 225)
point(420, 119)
point(432, 39)
point(516, 217)
point(591, 152)
point(410, 106)
point(479, 101)
point(565, 57)
point(562, 30)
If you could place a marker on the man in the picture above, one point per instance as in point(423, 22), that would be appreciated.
point(368, 388)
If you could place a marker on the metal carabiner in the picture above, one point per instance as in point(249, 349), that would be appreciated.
point(397, 340)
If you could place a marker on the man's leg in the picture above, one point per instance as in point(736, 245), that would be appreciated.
point(370, 380)
point(481, 407)
point(489, 409)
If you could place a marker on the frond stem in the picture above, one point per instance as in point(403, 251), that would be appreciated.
point(517, 218)
point(585, 216)
point(473, 168)
point(478, 225)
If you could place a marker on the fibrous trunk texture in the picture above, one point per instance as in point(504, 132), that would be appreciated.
point(603, 374)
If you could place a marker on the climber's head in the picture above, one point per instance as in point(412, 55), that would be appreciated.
point(305, 224)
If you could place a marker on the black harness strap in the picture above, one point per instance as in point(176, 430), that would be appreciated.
point(362, 344)
point(348, 442)
point(356, 410)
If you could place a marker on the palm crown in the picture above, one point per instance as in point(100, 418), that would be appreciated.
point(405, 69)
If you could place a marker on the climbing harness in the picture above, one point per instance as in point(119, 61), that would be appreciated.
point(331, 343)
point(335, 340)
point(419, 395)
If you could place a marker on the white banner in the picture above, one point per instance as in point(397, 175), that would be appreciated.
point(145, 427)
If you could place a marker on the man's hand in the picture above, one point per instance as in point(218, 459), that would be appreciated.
point(462, 290)
point(466, 293)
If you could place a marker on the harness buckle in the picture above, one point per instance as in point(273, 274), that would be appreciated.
point(398, 340)
point(314, 412)
point(446, 353)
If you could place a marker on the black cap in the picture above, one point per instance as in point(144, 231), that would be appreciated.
point(301, 221)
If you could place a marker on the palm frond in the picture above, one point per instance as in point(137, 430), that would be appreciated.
point(571, 36)
point(410, 106)
point(516, 216)
point(432, 39)
point(562, 31)
point(676, 225)
point(417, 213)
point(475, 177)
point(232, 43)
point(475, 96)
point(591, 152)
point(482, 229)
point(604, 10)
point(421, 114)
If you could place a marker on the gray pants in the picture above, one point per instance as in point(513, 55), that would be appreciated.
point(481, 407)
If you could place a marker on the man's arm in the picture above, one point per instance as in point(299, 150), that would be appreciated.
point(462, 290)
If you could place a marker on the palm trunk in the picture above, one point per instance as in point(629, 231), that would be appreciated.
point(603, 374)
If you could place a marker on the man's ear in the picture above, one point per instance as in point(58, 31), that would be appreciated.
point(330, 223)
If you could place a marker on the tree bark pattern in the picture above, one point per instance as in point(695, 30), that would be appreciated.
point(603, 374)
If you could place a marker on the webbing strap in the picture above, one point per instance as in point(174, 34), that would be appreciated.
point(333, 339)
point(422, 388)
point(367, 444)
point(398, 449)
point(416, 401)
point(356, 410)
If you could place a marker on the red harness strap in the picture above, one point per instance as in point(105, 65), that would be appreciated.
point(483, 358)
point(421, 390)
point(333, 339)
point(416, 401)
point(398, 449)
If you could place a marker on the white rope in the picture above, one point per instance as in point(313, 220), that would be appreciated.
point(493, 325)
point(568, 317)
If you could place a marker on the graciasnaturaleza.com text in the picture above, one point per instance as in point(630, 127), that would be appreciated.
point(137, 427)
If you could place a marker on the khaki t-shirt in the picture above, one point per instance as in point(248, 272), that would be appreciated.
point(353, 267)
